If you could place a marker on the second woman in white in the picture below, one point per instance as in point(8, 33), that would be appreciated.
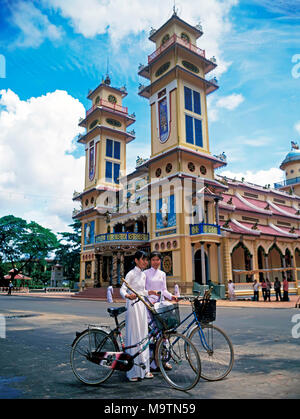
point(136, 316)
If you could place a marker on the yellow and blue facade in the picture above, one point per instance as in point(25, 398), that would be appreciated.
point(173, 201)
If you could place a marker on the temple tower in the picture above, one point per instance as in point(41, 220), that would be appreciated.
point(181, 167)
point(105, 141)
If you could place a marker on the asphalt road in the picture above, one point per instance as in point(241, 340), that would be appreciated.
point(34, 354)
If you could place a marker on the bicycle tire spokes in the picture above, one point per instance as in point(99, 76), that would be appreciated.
point(217, 355)
point(173, 356)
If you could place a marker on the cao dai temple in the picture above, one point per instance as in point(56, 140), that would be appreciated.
point(209, 229)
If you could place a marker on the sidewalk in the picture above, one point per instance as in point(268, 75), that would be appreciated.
point(220, 303)
point(260, 304)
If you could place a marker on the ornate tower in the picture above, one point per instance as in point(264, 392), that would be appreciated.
point(105, 141)
point(181, 167)
point(291, 167)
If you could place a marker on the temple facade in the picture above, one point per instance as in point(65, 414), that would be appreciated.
point(209, 229)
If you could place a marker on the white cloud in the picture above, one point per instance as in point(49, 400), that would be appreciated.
point(121, 19)
point(35, 26)
point(297, 127)
point(230, 102)
point(262, 177)
point(37, 172)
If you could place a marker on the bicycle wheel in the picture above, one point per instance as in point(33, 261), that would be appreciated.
point(216, 353)
point(180, 353)
point(90, 341)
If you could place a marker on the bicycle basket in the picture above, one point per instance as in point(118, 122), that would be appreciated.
point(205, 310)
point(167, 317)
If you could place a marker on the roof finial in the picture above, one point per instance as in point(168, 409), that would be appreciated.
point(174, 9)
point(107, 78)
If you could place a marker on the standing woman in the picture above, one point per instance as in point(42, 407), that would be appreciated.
point(136, 316)
point(156, 280)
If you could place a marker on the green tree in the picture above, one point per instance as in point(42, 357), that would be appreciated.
point(22, 243)
point(68, 252)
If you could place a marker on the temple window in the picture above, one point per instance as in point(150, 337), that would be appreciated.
point(113, 149)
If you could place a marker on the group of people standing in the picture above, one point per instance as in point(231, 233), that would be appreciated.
point(150, 284)
point(266, 287)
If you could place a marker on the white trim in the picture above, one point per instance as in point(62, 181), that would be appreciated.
point(245, 228)
point(297, 217)
point(241, 198)
point(282, 231)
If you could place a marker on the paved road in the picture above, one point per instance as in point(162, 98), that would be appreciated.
point(34, 360)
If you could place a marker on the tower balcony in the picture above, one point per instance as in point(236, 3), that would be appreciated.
point(121, 238)
point(204, 228)
point(175, 39)
point(287, 182)
point(105, 104)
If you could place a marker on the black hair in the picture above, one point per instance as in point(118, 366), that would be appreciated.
point(155, 253)
point(140, 254)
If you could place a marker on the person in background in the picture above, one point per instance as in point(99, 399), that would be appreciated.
point(231, 290)
point(109, 294)
point(285, 286)
point(264, 289)
point(256, 286)
point(277, 289)
point(10, 287)
point(176, 290)
point(268, 290)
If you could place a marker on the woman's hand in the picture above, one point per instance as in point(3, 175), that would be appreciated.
point(157, 293)
point(131, 296)
point(174, 298)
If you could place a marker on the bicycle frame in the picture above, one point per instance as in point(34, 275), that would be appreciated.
point(200, 330)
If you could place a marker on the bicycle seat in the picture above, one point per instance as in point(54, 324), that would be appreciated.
point(116, 311)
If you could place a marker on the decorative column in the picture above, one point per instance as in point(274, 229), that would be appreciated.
point(122, 265)
point(193, 262)
point(100, 270)
point(203, 264)
point(219, 263)
point(208, 263)
point(267, 266)
point(114, 279)
point(217, 211)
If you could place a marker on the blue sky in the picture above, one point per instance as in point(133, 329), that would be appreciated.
point(56, 50)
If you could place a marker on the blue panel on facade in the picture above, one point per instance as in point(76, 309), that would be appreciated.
point(108, 171)
point(109, 148)
point(116, 172)
point(189, 129)
point(197, 103)
point(165, 212)
point(117, 150)
point(198, 133)
point(188, 99)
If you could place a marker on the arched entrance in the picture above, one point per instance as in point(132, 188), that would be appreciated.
point(275, 259)
point(198, 268)
point(260, 261)
point(241, 260)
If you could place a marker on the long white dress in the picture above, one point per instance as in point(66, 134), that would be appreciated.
point(136, 321)
point(109, 294)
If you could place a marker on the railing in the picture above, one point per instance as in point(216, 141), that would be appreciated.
point(204, 228)
point(171, 41)
point(109, 105)
point(287, 182)
point(113, 237)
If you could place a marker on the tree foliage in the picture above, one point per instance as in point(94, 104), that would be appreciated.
point(68, 252)
point(23, 242)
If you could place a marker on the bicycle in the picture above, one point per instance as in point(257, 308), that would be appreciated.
point(96, 354)
point(214, 346)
